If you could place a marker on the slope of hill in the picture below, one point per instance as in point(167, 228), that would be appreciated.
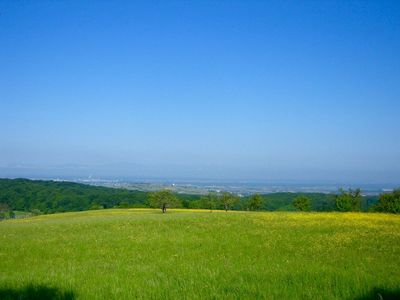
point(143, 254)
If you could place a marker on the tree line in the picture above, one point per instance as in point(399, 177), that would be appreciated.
point(38, 196)
point(345, 201)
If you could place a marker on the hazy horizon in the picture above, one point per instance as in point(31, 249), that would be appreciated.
point(242, 90)
point(172, 173)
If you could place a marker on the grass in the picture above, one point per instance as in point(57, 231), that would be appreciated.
point(143, 254)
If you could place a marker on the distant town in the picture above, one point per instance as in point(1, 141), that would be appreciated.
point(240, 188)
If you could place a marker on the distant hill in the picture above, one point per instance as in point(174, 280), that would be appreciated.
point(61, 196)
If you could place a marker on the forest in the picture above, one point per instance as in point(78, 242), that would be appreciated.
point(45, 196)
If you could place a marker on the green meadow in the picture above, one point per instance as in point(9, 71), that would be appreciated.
point(194, 254)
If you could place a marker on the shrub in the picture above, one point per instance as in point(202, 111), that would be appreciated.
point(36, 212)
point(389, 202)
point(302, 203)
point(348, 201)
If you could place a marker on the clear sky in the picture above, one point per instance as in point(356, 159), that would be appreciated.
point(305, 90)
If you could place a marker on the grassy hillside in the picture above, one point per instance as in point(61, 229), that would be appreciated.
point(121, 254)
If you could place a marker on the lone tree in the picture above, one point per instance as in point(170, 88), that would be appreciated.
point(255, 202)
point(348, 200)
point(302, 203)
point(228, 200)
point(163, 199)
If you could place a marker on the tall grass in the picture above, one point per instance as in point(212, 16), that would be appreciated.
point(143, 254)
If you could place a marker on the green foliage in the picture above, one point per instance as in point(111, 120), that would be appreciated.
point(163, 199)
point(55, 196)
point(288, 207)
point(389, 202)
point(228, 200)
point(124, 204)
point(4, 211)
point(348, 200)
point(36, 212)
point(51, 197)
point(255, 202)
point(4, 207)
point(302, 203)
point(284, 201)
point(137, 254)
point(12, 214)
point(96, 206)
point(209, 201)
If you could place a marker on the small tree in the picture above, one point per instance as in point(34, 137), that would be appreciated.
point(228, 200)
point(302, 203)
point(209, 201)
point(348, 201)
point(255, 202)
point(163, 199)
point(389, 202)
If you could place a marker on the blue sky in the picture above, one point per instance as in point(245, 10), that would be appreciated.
point(304, 90)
